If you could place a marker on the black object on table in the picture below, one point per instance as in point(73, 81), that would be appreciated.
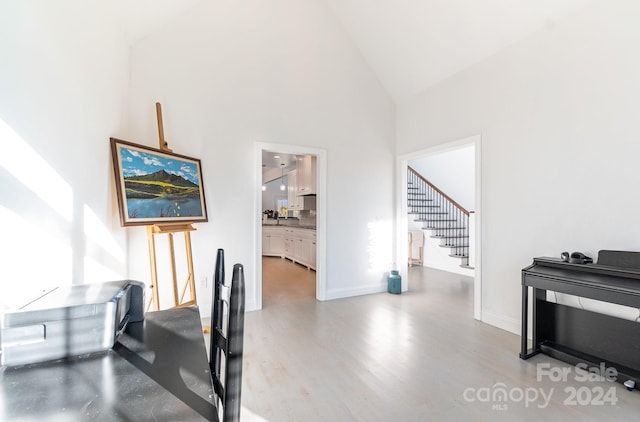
point(576, 335)
point(157, 371)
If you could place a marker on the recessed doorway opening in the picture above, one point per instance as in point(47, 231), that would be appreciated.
point(474, 232)
point(290, 230)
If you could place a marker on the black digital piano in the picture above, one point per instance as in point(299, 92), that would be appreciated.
point(576, 335)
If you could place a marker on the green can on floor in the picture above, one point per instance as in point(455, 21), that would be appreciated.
point(395, 282)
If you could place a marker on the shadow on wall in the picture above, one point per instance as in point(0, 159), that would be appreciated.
point(50, 238)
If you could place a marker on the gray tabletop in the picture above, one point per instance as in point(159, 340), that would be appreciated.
point(157, 371)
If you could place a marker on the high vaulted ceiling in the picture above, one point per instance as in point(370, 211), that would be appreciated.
point(409, 44)
point(413, 44)
point(142, 17)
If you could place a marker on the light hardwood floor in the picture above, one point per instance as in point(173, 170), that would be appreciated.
point(284, 283)
point(419, 356)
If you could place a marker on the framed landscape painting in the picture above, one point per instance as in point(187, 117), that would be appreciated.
point(156, 187)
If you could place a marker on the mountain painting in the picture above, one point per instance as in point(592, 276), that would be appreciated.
point(156, 187)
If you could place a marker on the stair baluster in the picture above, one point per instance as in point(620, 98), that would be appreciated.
point(444, 217)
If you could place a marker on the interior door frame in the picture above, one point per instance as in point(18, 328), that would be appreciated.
point(321, 213)
point(402, 211)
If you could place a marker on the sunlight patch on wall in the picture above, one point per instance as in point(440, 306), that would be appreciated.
point(96, 232)
point(379, 246)
point(95, 271)
point(30, 258)
point(34, 172)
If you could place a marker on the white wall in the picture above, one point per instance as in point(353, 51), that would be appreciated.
point(231, 74)
point(453, 172)
point(558, 116)
point(63, 82)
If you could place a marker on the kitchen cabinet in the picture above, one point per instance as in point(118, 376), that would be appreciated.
point(288, 246)
point(290, 240)
point(295, 201)
point(312, 248)
point(299, 252)
point(273, 242)
point(295, 244)
point(303, 243)
point(306, 175)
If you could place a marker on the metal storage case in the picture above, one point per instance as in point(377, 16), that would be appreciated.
point(70, 321)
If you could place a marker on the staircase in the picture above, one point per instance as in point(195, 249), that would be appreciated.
point(441, 217)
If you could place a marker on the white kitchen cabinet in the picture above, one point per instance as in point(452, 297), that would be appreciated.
point(295, 202)
point(306, 175)
point(312, 258)
point(289, 244)
point(300, 251)
point(309, 248)
point(297, 245)
point(273, 242)
point(303, 253)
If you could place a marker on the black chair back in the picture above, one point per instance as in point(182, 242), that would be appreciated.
point(227, 340)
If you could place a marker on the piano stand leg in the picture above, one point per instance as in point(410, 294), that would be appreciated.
point(524, 321)
point(528, 354)
point(525, 352)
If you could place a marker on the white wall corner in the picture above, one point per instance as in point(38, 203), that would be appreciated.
point(503, 322)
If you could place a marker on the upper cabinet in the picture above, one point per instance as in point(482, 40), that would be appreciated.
point(295, 202)
point(306, 175)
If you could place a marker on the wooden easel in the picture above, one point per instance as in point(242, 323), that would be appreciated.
point(169, 230)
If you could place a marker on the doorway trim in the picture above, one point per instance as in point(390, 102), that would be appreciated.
point(321, 213)
point(402, 211)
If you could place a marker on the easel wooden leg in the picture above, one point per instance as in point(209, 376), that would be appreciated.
point(191, 279)
point(155, 296)
point(174, 277)
point(190, 282)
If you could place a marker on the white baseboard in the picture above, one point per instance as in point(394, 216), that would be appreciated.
point(251, 306)
point(356, 291)
point(501, 321)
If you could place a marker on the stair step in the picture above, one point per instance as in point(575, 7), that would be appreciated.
point(443, 228)
point(436, 219)
point(422, 205)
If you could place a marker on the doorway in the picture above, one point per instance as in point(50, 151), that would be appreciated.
point(290, 228)
point(475, 234)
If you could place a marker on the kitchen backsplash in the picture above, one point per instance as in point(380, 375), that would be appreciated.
point(306, 218)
